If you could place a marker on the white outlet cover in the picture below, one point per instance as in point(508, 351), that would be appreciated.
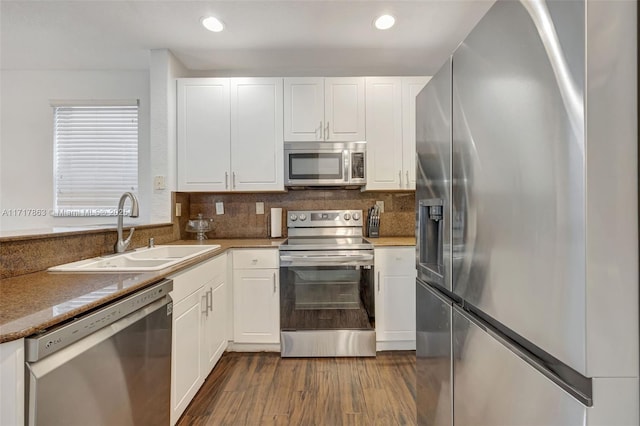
point(381, 205)
point(259, 207)
point(219, 207)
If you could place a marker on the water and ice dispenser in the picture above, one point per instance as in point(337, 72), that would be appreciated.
point(431, 239)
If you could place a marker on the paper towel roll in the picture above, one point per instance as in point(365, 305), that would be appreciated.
point(276, 222)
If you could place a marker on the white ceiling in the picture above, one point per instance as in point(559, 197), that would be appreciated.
point(264, 37)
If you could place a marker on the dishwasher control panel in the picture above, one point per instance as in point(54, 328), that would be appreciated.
point(50, 341)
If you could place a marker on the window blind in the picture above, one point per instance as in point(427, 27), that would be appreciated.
point(95, 158)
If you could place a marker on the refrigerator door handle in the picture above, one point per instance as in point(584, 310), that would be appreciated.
point(584, 395)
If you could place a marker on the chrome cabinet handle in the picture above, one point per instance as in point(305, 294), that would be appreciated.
point(326, 137)
point(320, 137)
point(211, 298)
point(400, 176)
point(378, 281)
point(226, 180)
point(275, 287)
point(233, 181)
point(408, 179)
point(206, 304)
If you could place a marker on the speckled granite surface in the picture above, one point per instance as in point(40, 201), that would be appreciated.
point(392, 241)
point(24, 255)
point(241, 221)
point(33, 302)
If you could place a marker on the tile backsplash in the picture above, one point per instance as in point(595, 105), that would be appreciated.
point(241, 221)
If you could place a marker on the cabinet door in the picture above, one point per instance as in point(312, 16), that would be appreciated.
point(214, 321)
point(395, 299)
point(344, 109)
point(384, 127)
point(203, 134)
point(256, 134)
point(186, 350)
point(214, 324)
point(303, 109)
point(411, 86)
point(256, 305)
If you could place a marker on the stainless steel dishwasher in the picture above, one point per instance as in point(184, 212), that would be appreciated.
point(109, 367)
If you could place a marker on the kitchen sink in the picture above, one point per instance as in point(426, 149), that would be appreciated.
point(140, 260)
point(170, 252)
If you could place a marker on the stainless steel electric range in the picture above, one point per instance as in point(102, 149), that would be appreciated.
point(326, 286)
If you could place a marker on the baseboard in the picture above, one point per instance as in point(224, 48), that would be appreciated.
point(398, 345)
point(253, 347)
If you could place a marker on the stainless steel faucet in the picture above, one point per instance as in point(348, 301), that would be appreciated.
point(121, 245)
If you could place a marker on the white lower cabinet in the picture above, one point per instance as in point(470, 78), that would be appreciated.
point(199, 329)
point(256, 296)
point(395, 298)
point(12, 383)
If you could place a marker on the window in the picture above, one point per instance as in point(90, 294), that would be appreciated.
point(95, 157)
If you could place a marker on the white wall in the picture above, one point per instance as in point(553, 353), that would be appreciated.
point(26, 138)
point(164, 70)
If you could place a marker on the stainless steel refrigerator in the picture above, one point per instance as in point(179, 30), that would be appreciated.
point(527, 220)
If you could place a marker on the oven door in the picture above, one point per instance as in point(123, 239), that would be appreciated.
point(326, 290)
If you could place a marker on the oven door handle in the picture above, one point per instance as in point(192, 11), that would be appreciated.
point(329, 259)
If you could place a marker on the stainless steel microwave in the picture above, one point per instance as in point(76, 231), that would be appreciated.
point(325, 164)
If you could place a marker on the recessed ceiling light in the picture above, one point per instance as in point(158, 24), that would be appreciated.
point(212, 24)
point(384, 22)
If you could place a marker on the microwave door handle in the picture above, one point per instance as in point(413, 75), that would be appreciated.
point(347, 172)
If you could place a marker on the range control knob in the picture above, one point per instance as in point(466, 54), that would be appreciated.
point(303, 216)
point(347, 216)
point(293, 218)
point(356, 216)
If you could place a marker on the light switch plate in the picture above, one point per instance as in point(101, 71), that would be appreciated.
point(158, 182)
point(259, 207)
point(381, 205)
point(219, 207)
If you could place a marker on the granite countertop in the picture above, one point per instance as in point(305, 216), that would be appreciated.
point(34, 302)
point(392, 241)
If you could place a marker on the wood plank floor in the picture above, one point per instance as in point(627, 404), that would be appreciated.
point(264, 389)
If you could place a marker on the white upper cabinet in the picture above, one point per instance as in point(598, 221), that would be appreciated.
point(324, 109)
point(204, 139)
point(384, 127)
point(230, 134)
point(411, 86)
point(391, 127)
point(256, 134)
point(304, 109)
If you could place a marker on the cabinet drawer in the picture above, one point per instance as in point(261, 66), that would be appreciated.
point(255, 259)
point(187, 281)
point(396, 260)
